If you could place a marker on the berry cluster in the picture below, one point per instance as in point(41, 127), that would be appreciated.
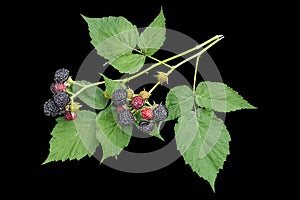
point(135, 108)
point(60, 103)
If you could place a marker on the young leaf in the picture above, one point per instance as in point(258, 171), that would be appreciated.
point(112, 36)
point(153, 37)
point(112, 137)
point(73, 139)
point(129, 63)
point(179, 100)
point(156, 133)
point(220, 97)
point(112, 85)
point(203, 141)
point(92, 96)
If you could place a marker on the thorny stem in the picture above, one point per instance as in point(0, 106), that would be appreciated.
point(212, 41)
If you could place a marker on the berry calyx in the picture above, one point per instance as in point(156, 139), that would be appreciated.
point(160, 113)
point(146, 127)
point(61, 99)
point(130, 93)
point(144, 94)
point(106, 95)
point(125, 117)
point(61, 75)
point(162, 77)
point(119, 97)
point(137, 102)
point(147, 113)
point(70, 115)
point(57, 87)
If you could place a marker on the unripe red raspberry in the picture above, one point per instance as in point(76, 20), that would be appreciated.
point(147, 113)
point(137, 102)
point(70, 115)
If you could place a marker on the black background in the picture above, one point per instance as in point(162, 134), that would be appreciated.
point(57, 36)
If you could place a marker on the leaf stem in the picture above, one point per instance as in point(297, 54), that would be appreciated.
point(195, 73)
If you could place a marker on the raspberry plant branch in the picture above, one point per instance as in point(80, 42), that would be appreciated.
point(215, 39)
point(212, 41)
point(201, 137)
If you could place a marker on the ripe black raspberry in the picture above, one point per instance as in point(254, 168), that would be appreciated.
point(146, 127)
point(125, 117)
point(61, 75)
point(61, 99)
point(160, 113)
point(137, 102)
point(119, 97)
point(50, 109)
point(56, 87)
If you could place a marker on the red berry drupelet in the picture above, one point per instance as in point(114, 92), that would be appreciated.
point(147, 113)
point(58, 87)
point(137, 102)
point(70, 115)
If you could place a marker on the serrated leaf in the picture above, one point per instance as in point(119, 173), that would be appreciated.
point(153, 37)
point(112, 36)
point(219, 97)
point(156, 133)
point(93, 96)
point(207, 143)
point(73, 139)
point(112, 137)
point(129, 63)
point(112, 85)
point(179, 100)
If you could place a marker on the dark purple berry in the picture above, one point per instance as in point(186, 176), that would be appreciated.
point(50, 109)
point(119, 97)
point(146, 127)
point(61, 75)
point(160, 113)
point(61, 99)
point(125, 117)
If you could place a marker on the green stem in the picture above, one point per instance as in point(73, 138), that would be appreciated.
point(195, 73)
point(215, 39)
point(169, 59)
point(197, 55)
point(155, 59)
point(84, 87)
point(153, 88)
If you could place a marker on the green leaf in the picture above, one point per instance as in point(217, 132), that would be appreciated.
point(153, 37)
point(73, 139)
point(112, 36)
point(92, 96)
point(112, 85)
point(156, 133)
point(112, 137)
point(203, 141)
point(219, 97)
point(179, 100)
point(129, 63)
